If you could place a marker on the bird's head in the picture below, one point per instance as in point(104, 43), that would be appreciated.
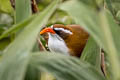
point(72, 36)
point(58, 29)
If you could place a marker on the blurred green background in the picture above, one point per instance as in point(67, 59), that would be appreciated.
point(20, 56)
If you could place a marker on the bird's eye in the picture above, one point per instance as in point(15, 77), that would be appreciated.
point(57, 31)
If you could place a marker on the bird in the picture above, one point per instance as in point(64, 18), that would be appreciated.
point(69, 40)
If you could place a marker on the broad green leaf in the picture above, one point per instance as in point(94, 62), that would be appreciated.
point(101, 26)
point(21, 15)
point(111, 41)
point(5, 6)
point(92, 53)
point(32, 74)
point(65, 67)
point(90, 3)
point(16, 56)
point(17, 27)
point(23, 10)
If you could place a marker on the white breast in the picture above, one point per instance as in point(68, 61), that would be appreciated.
point(57, 44)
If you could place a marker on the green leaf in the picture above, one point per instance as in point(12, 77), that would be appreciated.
point(17, 27)
point(5, 6)
point(92, 53)
point(16, 56)
point(111, 41)
point(23, 10)
point(102, 28)
point(90, 3)
point(65, 67)
point(32, 74)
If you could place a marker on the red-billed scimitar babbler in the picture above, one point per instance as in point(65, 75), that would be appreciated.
point(69, 39)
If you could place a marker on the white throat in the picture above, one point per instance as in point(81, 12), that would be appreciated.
point(57, 44)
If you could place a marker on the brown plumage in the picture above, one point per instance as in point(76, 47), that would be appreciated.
point(77, 41)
